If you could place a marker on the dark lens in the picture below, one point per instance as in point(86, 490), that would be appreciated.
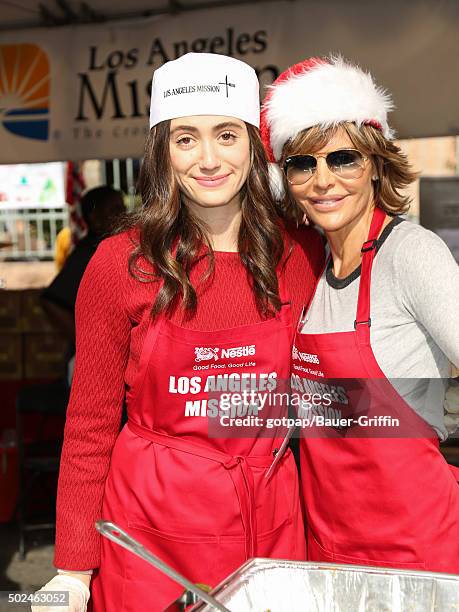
point(345, 162)
point(299, 168)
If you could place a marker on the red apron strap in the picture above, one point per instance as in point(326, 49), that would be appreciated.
point(153, 330)
point(285, 313)
point(362, 321)
point(282, 286)
point(238, 467)
point(307, 306)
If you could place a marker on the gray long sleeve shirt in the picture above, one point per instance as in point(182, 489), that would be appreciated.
point(414, 313)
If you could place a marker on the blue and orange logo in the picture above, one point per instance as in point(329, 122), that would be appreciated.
point(24, 90)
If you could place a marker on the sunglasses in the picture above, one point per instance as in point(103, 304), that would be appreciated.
point(345, 163)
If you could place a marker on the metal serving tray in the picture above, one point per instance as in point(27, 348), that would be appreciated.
point(262, 585)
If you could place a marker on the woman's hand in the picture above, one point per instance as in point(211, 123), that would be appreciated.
point(77, 586)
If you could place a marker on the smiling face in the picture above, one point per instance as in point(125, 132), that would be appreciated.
point(331, 201)
point(210, 158)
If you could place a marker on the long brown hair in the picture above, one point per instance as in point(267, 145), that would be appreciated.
point(391, 164)
point(172, 237)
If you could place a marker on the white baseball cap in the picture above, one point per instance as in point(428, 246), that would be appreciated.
point(205, 84)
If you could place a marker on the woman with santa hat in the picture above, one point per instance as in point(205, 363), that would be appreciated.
point(377, 340)
point(197, 297)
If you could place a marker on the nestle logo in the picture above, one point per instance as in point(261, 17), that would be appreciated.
point(239, 351)
point(306, 357)
point(203, 353)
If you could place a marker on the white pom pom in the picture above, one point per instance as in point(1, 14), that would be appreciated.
point(276, 182)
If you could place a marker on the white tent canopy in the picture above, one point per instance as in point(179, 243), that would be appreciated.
point(81, 90)
point(48, 13)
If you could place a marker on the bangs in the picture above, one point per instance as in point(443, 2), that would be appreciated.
point(308, 141)
point(366, 139)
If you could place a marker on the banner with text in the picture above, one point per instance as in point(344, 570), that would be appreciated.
point(83, 92)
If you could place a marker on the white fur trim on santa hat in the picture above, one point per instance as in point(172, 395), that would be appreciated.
point(325, 94)
point(276, 182)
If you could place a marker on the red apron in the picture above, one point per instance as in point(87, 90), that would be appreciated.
point(375, 495)
point(202, 505)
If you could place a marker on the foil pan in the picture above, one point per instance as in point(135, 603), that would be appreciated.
point(263, 585)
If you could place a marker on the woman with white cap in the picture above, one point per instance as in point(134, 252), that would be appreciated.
point(196, 298)
point(377, 339)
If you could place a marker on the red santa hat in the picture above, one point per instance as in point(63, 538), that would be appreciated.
point(324, 92)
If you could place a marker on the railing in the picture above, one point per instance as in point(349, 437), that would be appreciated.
point(30, 233)
point(123, 174)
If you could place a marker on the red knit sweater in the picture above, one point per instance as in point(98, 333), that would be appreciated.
point(112, 313)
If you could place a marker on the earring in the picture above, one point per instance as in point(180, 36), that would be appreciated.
point(374, 178)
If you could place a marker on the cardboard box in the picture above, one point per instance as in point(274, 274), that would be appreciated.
point(11, 357)
point(10, 311)
point(33, 317)
point(45, 355)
